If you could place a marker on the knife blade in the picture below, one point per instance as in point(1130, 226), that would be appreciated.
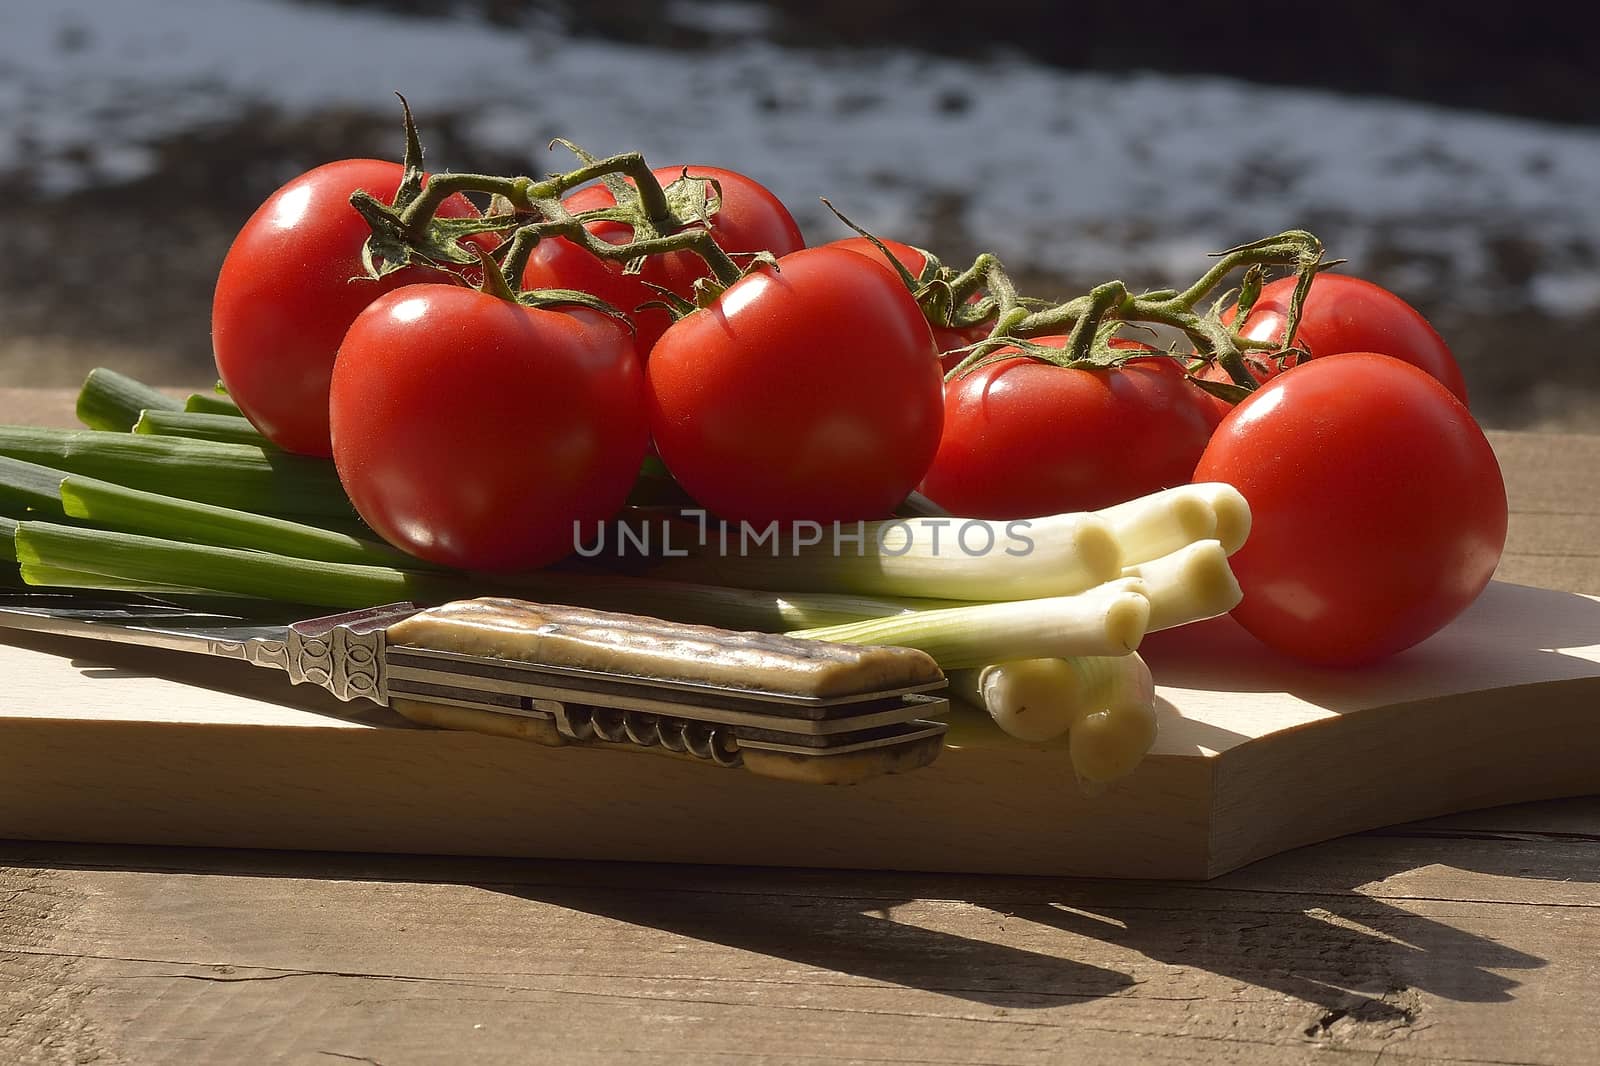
point(777, 706)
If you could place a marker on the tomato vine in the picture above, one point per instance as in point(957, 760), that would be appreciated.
point(678, 216)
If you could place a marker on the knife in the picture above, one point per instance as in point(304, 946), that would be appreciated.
point(778, 706)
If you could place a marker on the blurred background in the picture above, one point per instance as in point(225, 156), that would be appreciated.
point(1450, 156)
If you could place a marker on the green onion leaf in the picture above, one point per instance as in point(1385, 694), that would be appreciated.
point(223, 427)
point(101, 503)
point(210, 403)
point(125, 557)
point(228, 475)
point(28, 490)
point(112, 401)
point(1108, 620)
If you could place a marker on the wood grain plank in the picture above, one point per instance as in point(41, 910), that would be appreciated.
point(1007, 970)
point(1576, 573)
point(38, 407)
point(1554, 473)
point(1553, 490)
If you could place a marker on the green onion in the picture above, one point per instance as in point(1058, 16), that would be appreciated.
point(1232, 511)
point(1105, 621)
point(1104, 705)
point(210, 403)
point(1162, 522)
point(938, 558)
point(1188, 585)
point(109, 400)
point(1035, 700)
point(123, 557)
point(28, 490)
point(349, 525)
point(54, 577)
point(1039, 700)
point(728, 608)
point(1108, 745)
point(135, 511)
point(228, 475)
point(1109, 620)
point(223, 427)
point(8, 539)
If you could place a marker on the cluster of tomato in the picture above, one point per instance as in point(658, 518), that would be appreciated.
point(477, 432)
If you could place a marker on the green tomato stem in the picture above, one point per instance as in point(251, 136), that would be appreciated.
point(440, 187)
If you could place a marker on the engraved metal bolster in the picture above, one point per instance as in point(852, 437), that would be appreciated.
point(342, 653)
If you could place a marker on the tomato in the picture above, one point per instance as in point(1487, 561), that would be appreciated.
point(1024, 438)
point(1346, 314)
point(910, 258)
point(807, 392)
point(289, 288)
point(1261, 368)
point(1378, 508)
point(751, 219)
point(949, 340)
point(475, 432)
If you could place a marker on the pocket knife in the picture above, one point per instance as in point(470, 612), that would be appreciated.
point(778, 706)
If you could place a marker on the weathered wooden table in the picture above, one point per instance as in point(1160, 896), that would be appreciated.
point(1474, 938)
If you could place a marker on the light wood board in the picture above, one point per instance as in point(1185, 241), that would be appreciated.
point(119, 744)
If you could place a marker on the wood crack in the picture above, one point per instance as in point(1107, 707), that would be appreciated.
point(352, 1058)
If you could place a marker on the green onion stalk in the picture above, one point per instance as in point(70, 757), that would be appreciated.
point(218, 426)
point(113, 401)
point(241, 476)
point(211, 403)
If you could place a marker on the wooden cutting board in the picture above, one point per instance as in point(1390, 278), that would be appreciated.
point(107, 743)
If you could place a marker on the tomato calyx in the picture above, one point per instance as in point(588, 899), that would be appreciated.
point(1260, 360)
point(409, 230)
point(706, 291)
point(666, 218)
point(946, 296)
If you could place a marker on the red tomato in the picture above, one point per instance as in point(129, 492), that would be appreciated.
point(1024, 438)
point(947, 339)
point(1261, 368)
point(809, 392)
point(289, 288)
point(910, 258)
point(1346, 314)
point(751, 219)
point(474, 432)
point(1378, 508)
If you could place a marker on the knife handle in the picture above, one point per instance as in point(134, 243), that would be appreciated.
point(845, 768)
